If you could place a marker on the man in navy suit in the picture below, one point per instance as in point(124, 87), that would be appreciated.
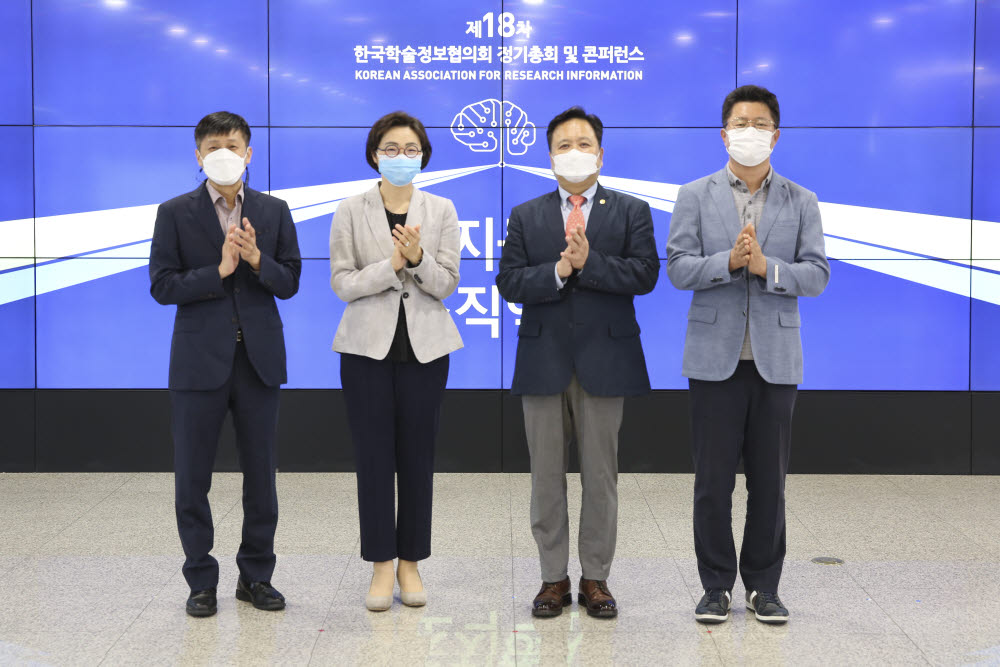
point(222, 254)
point(575, 258)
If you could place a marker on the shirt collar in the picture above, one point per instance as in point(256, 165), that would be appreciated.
point(735, 180)
point(216, 195)
point(588, 193)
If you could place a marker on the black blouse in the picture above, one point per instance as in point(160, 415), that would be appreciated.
point(400, 350)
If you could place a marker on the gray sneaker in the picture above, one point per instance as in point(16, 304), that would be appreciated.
point(767, 607)
point(714, 606)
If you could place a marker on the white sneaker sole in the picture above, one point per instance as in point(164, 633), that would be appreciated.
point(711, 618)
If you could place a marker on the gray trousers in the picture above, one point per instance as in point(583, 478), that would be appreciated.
point(550, 423)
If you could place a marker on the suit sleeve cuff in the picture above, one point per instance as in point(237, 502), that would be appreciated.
point(214, 286)
point(775, 274)
point(717, 270)
point(418, 271)
point(266, 271)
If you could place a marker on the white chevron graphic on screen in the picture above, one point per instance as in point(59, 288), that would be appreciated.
point(860, 235)
point(856, 235)
point(120, 237)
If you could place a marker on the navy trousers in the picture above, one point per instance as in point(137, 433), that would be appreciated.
point(744, 417)
point(393, 411)
point(197, 418)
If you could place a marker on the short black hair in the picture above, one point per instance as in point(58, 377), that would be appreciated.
point(221, 123)
point(570, 114)
point(389, 121)
point(751, 94)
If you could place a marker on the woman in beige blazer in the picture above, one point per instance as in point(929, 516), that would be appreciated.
point(394, 254)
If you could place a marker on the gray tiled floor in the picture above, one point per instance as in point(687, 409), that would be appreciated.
point(90, 574)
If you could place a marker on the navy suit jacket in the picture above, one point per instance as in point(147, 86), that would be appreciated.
point(589, 326)
point(184, 270)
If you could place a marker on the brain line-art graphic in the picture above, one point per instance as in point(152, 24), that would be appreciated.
point(480, 126)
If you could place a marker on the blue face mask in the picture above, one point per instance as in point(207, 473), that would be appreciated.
point(399, 170)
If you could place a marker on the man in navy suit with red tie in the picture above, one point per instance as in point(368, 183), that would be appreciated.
point(575, 258)
point(221, 254)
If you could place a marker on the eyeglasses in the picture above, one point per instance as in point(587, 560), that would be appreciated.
point(392, 150)
point(759, 123)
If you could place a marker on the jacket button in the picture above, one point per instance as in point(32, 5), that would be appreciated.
point(744, 313)
point(237, 290)
point(235, 321)
point(406, 295)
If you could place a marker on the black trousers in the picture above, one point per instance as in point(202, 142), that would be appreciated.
point(393, 412)
point(197, 418)
point(743, 416)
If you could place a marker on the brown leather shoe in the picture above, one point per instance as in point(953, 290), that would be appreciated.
point(597, 598)
point(552, 598)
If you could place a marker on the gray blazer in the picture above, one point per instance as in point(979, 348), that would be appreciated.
point(703, 229)
point(361, 274)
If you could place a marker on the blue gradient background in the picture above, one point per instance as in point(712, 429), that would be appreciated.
point(887, 105)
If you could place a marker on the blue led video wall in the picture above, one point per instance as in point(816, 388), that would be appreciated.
point(890, 113)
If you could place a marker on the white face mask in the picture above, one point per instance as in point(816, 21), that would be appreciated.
point(749, 146)
point(575, 166)
point(223, 166)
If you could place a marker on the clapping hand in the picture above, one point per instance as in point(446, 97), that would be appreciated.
point(246, 241)
point(407, 241)
point(230, 254)
point(757, 263)
point(739, 256)
point(577, 248)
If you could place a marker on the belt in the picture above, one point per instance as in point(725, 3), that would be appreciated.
point(239, 335)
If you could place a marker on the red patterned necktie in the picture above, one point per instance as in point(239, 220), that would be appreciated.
point(575, 218)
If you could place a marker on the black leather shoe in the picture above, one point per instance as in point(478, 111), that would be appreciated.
point(202, 603)
point(260, 594)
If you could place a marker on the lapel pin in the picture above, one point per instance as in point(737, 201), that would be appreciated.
point(602, 201)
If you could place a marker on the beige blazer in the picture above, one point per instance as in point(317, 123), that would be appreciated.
point(361, 274)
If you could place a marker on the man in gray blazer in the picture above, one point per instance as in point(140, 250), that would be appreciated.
point(748, 242)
